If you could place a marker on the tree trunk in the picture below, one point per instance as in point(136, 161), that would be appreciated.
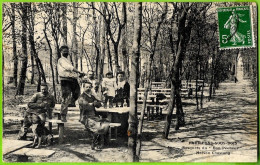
point(102, 31)
point(39, 78)
point(109, 58)
point(197, 77)
point(51, 64)
point(82, 49)
point(148, 81)
point(133, 120)
point(170, 109)
point(202, 91)
point(183, 39)
point(64, 22)
point(58, 55)
point(15, 58)
point(21, 84)
point(124, 44)
point(74, 37)
point(32, 65)
point(179, 110)
point(32, 44)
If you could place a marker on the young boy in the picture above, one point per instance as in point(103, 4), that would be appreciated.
point(109, 89)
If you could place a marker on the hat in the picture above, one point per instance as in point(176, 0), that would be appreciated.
point(44, 84)
point(109, 73)
point(86, 81)
point(64, 47)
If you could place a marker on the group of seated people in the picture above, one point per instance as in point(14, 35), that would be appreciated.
point(93, 95)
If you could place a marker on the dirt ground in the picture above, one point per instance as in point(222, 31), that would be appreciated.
point(225, 130)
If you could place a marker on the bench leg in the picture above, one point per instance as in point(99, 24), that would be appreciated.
point(152, 115)
point(22, 158)
point(115, 132)
point(148, 113)
point(59, 116)
point(50, 127)
point(61, 132)
point(22, 121)
point(109, 134)
point(157, 111)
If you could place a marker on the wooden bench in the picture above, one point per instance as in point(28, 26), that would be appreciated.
point(60, 128)
point(24, 153)
point(49, 121)
point(13, 118)
point(158, 84)
point(113, 126)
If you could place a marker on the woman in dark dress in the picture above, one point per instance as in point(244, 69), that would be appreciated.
point(122, 91)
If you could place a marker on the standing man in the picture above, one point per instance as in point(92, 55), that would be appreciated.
point(41, 104)
point(70, 88)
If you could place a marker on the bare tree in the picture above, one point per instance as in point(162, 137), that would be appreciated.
point(64, 23)
point(15, 57)
point(74, 35)
point(124, 43)
point(153, 42)
point(181, 45)
point(133, 121)
point(24, 59)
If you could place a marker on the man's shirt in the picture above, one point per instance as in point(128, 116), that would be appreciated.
point(86, 104)
point(65, 68)
point(40, 103)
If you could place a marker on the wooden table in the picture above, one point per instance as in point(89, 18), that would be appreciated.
point(58, 107)
point(117, 115)
point(13, 145)
point(119, 110)
point(22, 106)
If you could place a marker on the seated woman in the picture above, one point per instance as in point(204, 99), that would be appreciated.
point(123, 90)
point(95, 124)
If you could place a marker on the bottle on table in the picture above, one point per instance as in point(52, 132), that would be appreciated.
point(125, 104)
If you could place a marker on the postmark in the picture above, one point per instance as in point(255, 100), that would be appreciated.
point(235, 27)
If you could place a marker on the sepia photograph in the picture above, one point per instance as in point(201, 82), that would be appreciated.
point(129, 82)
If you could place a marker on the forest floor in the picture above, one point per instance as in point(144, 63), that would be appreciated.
point(225, 130)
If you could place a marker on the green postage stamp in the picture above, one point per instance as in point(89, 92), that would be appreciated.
point(235, 27)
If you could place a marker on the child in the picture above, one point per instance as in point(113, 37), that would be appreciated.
point(109, 89)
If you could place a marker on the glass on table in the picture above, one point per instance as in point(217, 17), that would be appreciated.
point(114, 105)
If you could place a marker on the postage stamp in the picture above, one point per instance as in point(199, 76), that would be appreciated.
point(235, 27)
point(92, 82)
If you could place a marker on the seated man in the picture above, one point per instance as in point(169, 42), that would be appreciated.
point(95, 84)
point(41, 104)
point(95, 124)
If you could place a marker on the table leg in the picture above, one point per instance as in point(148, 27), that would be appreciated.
point(109, 136)
point(152, 116)
point(61, 132)
point(148, 113)
point(59, 116)
point(109, 117)
point(50, 127)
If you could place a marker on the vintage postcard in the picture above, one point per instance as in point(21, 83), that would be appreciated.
point(129, 82)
